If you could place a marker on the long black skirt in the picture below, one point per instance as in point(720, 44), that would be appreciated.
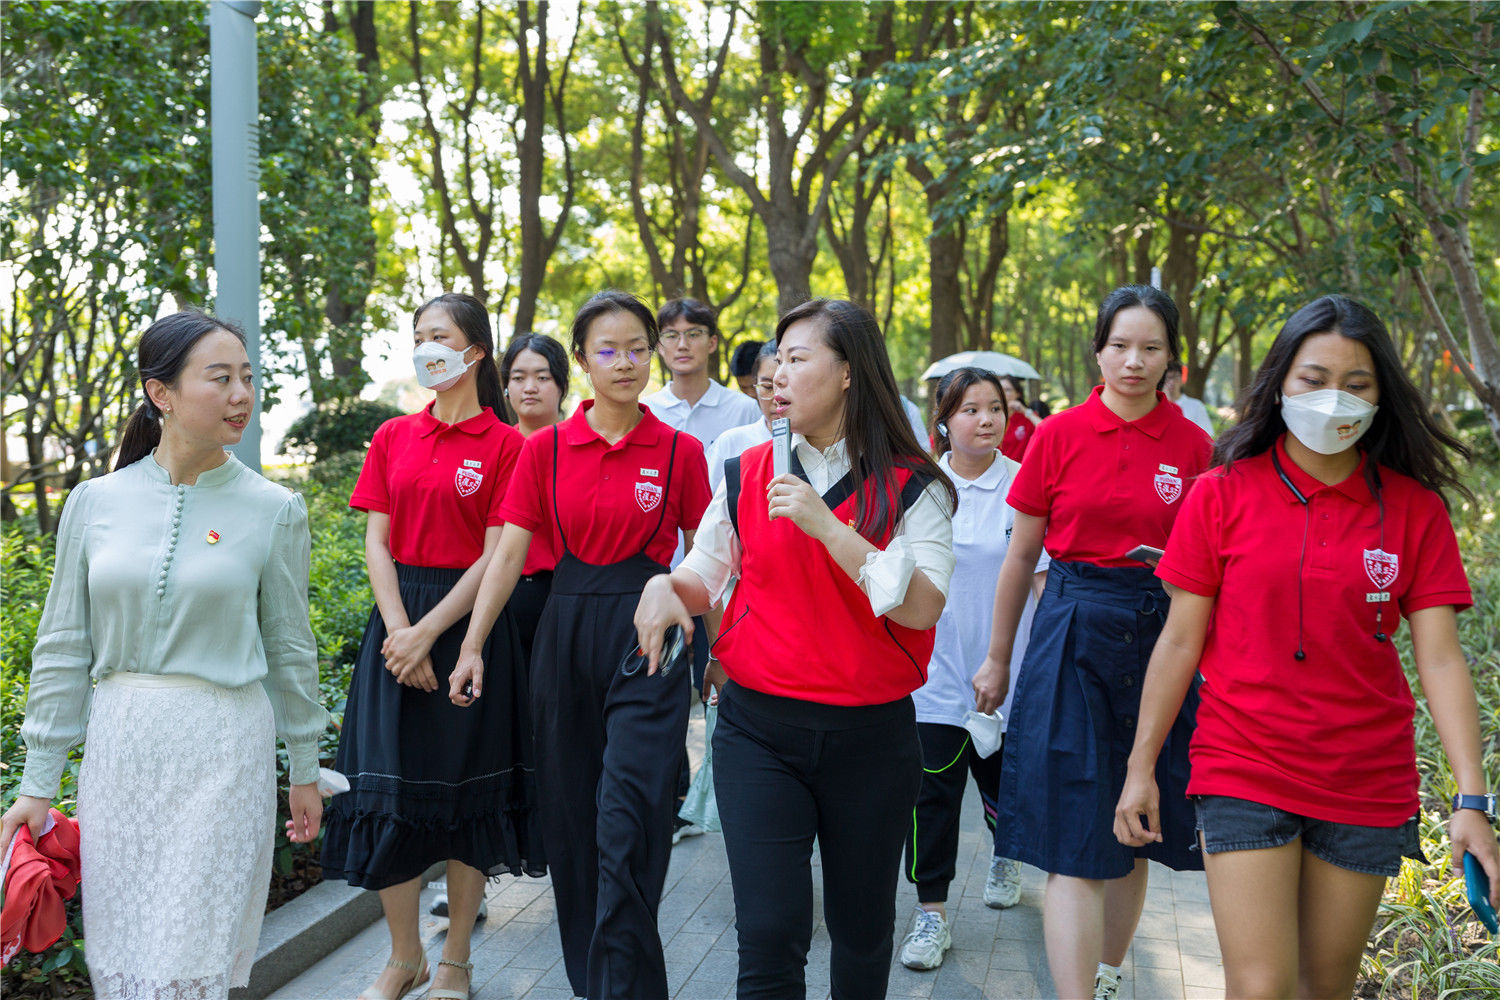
point(430, 781)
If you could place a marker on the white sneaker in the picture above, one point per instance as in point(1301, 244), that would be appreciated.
point(928, 941)
point(1002, 887)
point(1106, 983)
point(439, 907)
point(687, 830)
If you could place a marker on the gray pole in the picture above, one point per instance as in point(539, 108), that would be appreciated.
point(234, 123)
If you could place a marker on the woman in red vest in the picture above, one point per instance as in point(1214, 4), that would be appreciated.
point(843, 565)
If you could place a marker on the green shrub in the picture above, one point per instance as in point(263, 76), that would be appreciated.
point(1426, 941)
point(335, 428)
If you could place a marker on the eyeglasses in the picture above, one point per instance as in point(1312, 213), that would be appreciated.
point(693, 336)
point(765, 389)
point(608, 355)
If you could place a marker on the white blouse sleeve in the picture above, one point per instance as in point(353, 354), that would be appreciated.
point(715, 556)
point(923, 540)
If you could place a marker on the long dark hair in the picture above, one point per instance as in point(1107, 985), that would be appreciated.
point(877, 435)
point(473, 321)
point(162, 353)
point(611, 301)
point(551, 351)
point(950, 396)
point(1130, 296)
point(1015, 384)
point(1403, 436)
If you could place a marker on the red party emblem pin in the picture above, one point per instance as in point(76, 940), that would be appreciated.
point(213, 537)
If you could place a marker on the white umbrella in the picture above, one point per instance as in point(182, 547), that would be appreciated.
point(990, 361)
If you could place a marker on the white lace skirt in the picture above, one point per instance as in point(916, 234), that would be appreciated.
point(176, 808)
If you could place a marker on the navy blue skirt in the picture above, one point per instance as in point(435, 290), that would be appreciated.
point(430, 781)
point(1072, 726)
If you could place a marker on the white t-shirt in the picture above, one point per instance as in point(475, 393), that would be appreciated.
point(732, 444)
point(716, 411)
point(1195, 411)
point(981, 537)
point(918, 425)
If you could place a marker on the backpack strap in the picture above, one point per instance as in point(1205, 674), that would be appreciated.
point(732, 486)
point(912, 491)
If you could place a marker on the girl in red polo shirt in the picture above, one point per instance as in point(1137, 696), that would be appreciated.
point(843, 566)
point(534, 372)
point(1311, 549)
point(429, 781)
point(1099, 480)
point(610, 487)
point(1020, 426)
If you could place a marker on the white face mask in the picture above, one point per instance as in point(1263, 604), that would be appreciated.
point(438, 367)
point(1327, 421)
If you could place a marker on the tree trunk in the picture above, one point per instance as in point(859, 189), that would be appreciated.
point(345, 307)
point(945, 252)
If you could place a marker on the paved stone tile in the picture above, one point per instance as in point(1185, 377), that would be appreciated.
point(1203, 993)
point(996, 954)
point(1203, 970)
point(1195, 939)
point(1157, 984)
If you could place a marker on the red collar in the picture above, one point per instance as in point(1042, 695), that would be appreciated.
point(476, 425)
point(576, 429)
point(1354, 487)
point(1153, 424)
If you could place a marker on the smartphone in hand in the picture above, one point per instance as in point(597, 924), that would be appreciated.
point(1477, 887)
point(1148, 554)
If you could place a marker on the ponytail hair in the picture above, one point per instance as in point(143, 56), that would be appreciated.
point(161, 355)
point(473, 321)
point(950, 396)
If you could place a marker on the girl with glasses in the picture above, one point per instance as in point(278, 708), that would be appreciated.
point(610, 486)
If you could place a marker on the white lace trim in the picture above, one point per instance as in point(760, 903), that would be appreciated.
point(176, 810)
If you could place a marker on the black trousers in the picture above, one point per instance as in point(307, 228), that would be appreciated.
point(608, 748)
point(785, 772)
point(948, 758)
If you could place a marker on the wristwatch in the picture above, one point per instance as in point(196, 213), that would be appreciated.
point(1484, 803)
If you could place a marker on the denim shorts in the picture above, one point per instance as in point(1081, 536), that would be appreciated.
point(1230, 824)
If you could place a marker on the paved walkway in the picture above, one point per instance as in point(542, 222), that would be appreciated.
point(996, 955)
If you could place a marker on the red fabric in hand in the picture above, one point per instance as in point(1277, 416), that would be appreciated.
point(41, 877)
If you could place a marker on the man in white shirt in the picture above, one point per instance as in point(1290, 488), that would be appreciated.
point(692, 401)
point(1191, 408)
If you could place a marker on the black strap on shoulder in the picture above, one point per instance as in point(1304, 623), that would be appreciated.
point(666, 490)
point(732, 486)
point(912, 491)
point(556, 516)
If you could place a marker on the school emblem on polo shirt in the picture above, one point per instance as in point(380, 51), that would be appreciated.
point(1168, 487)
point(648, 495)
point(467, 481)
point(1381, 567)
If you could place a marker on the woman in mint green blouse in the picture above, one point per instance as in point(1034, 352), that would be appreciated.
point(176, 639)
